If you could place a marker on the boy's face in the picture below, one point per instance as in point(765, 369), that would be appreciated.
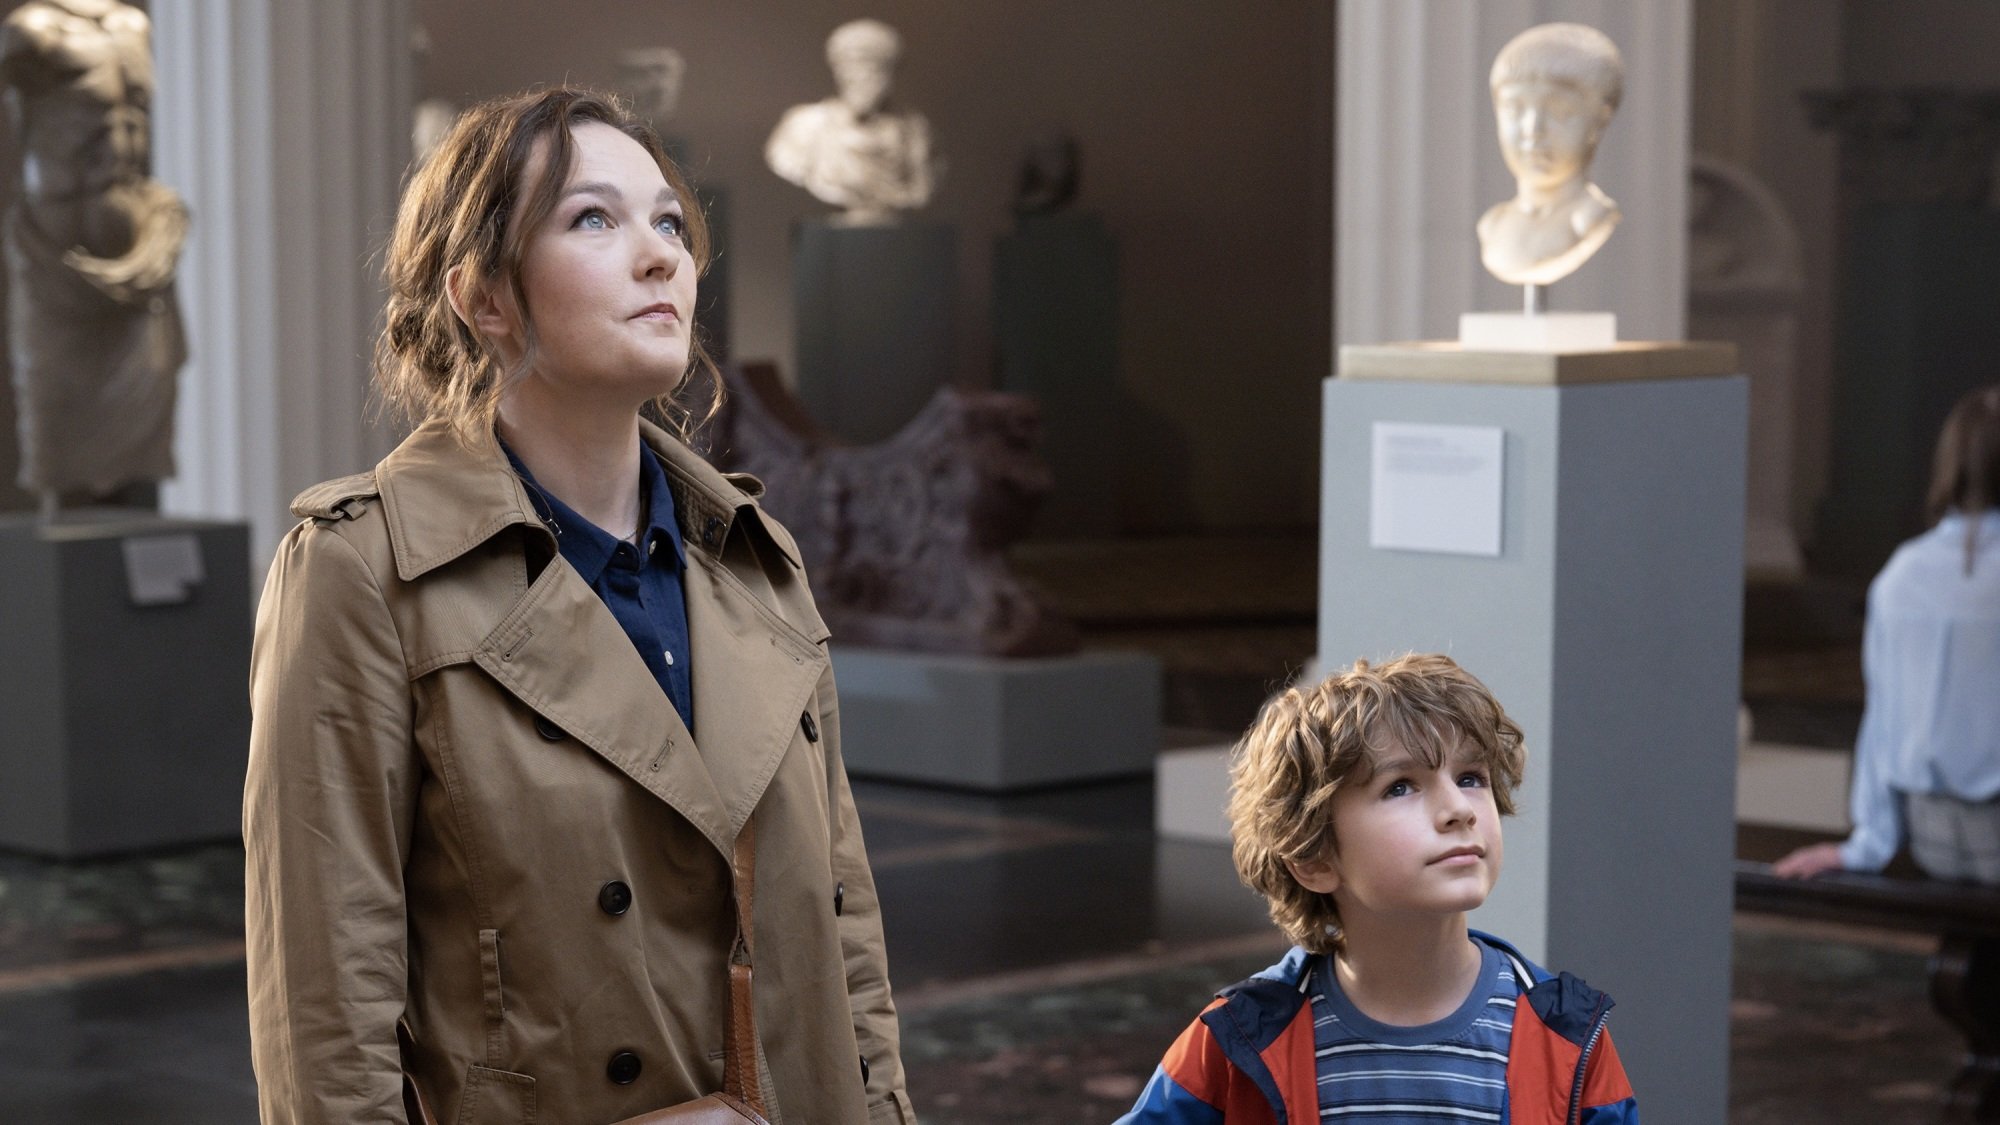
point(1410, 839)
point(1548, 129)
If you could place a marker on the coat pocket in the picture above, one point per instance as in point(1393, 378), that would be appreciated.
point(496, 1097)
point(495, 1005)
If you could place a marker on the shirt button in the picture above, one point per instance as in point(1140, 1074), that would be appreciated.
point(670, 657)
point(651, 547)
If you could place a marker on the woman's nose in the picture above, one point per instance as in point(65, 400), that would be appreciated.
point(660, 254)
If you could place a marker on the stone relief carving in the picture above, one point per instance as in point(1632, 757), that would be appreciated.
point(1555, 88)
point(651, 78)
point(91, 249)
point(858, 150)
point(905, 539)
point(1745, 277)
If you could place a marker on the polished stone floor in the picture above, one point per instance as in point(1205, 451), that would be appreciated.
point(1045, 947)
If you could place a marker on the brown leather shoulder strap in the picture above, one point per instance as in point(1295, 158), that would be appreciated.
point(739, 1068)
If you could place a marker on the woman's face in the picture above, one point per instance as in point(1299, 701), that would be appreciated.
point(608, 277)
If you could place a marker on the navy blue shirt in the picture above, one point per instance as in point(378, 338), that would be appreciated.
point(640, 585)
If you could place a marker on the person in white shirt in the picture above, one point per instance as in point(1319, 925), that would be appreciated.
point(1927, 760)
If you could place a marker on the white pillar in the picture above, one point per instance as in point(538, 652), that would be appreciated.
point(285, 125)
point(1418, 163)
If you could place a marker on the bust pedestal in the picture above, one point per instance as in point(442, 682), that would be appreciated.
point(1608, 623)
point(874, 308)
point(124, 655)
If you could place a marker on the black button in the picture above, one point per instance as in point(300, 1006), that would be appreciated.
point(839, 893)
point(864, 1070)
point(614, 898)
point(623, 1068)
point(548, 729)
point(811, 728)
point(711, 532)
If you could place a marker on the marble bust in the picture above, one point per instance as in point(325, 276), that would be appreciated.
point(1555, 88)
point(91, 247)
point(858, 150)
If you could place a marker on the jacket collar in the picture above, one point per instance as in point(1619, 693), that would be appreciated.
point(444, 497)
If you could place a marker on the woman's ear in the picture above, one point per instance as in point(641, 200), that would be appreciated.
point(478, 307)
point(1320, 876)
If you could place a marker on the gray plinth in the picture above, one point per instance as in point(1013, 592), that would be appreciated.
point(1055, 320)
point(874, 308)
point(1610, 628)
point(126, 724)
point(986, 723)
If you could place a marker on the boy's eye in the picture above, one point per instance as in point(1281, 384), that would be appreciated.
point(1472, 779)
point(1397, 788)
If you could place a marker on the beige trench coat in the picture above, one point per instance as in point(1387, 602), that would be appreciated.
point(471, 810)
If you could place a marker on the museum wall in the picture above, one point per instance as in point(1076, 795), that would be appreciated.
point(1753, 63)
point(1205, 131)
point(1922, 42)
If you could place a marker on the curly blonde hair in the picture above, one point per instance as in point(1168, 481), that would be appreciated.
point(1308, 743)
point(471, 207)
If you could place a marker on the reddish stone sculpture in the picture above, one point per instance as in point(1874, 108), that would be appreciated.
point(905, 539)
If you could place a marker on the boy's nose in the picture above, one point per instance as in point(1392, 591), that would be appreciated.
point(1455, 807)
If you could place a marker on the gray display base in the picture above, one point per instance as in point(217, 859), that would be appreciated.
point(1055, 319)
point(1610, 627)
point(873, 311)
point(988, 723)
point(127, 724)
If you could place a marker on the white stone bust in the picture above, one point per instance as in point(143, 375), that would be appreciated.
point(858, 150)
point(1554, 90)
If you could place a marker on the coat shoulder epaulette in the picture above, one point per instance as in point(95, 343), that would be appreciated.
point(342, 499)
point(746, 484)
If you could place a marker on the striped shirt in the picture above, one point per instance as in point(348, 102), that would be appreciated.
point(1454, 1070)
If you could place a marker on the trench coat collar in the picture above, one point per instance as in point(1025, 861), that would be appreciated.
point(755, 670)
point(444, 497)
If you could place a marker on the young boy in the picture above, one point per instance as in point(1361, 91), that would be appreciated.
point(1366, 810)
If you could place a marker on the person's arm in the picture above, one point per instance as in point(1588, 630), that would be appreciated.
point(327, 811)
point(861, 939)
point(1189, 1087)
point(1607, 1093)
point(1873, 806)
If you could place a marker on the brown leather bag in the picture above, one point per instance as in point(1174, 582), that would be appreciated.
point(741, 1101)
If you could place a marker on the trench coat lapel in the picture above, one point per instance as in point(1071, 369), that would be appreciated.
point(610, 701)
point(754, 676)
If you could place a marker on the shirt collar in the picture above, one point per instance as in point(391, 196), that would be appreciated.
point(588, 547)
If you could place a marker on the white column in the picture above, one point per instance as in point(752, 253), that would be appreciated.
point(1418, 163)
point(285, 125)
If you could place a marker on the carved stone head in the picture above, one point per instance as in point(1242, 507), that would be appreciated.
point(863, 54)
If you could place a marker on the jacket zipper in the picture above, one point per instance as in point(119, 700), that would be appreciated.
point(1583, 1065)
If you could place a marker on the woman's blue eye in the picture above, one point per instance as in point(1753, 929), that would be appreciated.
point(592, 219)
point(671, 226)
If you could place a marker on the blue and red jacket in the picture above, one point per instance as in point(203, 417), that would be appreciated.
point(1248, 1058)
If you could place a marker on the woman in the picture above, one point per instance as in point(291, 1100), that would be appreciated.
point(517, 692)
point(1927, 762)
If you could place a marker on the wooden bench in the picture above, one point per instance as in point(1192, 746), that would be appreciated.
point(1964, 972)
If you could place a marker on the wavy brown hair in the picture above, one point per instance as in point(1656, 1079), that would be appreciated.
point(1965, 472)
point(470, 206)
point(1309, 743)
